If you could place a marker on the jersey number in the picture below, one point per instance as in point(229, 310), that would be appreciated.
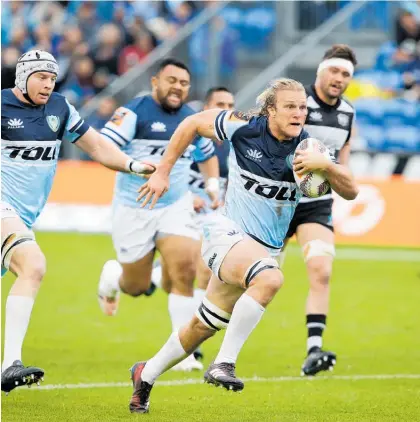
point(33, 153)
point(282, 193)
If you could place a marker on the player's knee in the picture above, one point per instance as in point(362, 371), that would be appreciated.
point(132, 287)
point(271, 282)
point(132, 290)
point(319, 272)
point(34, 268)
point(264, 272)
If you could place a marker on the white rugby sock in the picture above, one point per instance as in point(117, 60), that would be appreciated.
point(245, 317)
point(157, 275)
point(17, 317)
point(181, 310)
point(169, 355)
point(199, 296)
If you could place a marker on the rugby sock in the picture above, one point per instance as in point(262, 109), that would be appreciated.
point(157, 274)
point(170, 354)
point(17, 316)
point(245, 317)
point(199, 296)
point(316, 326)
point(181, 310)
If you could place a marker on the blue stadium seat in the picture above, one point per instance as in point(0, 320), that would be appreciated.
point(374, 15)
point(389, 125)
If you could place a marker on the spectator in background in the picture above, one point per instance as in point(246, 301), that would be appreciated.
point(70, 46)
point(44, 39)
point(49, 12)
point(407, 37)
point(20, 39)
point(79, 87)
point(407, 55)
point(101, 79)
point(119, 19)
point(87, 21)
point(14, 15)
point(108, 49)
point(9, 58)
point(104, 112)
point(135, 53)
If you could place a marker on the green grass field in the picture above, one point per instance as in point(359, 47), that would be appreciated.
point(374, 326)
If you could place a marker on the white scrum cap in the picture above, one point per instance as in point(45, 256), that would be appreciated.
point(31, 62)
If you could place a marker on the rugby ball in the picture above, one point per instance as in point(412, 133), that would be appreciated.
point(313, 183)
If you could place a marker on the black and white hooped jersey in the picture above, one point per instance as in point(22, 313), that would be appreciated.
point(142, 129)
point(30, 142)
point(262, 194)
point(332, 125)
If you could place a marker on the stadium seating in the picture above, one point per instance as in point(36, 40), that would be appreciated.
point(389, 125)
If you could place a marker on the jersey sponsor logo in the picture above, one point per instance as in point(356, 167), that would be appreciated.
point(254, 154)
point(118, 116)
point(279, 193)
point(158, 127)
point(32, 153)
point(53, 122)
point(160, 150)
point(15, 124)
point(315, 116)
point(343, 119)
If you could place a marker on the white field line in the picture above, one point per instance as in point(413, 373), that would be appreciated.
point(195, 381)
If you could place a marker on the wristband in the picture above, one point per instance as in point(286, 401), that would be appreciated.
point(213, 184)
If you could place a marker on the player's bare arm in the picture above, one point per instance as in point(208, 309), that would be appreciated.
point(109, 155)
point(344, 155)
point(339, 176)
point(198, 124)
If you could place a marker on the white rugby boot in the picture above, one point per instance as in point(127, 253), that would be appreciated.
point(108, 288)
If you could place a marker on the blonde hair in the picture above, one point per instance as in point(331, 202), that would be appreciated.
point(268, 97)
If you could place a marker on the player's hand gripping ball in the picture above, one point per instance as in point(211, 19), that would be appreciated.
point(311, 159)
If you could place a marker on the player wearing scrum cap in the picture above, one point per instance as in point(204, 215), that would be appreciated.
point(34, 121)
point(330, 119)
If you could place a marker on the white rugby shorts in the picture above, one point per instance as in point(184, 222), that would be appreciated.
point(7, 211)
point(135, 230)
point(220, 234)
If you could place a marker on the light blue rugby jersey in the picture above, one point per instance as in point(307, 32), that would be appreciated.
point(262, 194)
point(142, 129)
point(197, 182)
point(30, 142)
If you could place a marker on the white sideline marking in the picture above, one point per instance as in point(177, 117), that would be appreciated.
point(195, 381)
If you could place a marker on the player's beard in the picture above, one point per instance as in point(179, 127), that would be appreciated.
point(163, 100)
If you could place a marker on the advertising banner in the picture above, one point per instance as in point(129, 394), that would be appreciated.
point(385, 213)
